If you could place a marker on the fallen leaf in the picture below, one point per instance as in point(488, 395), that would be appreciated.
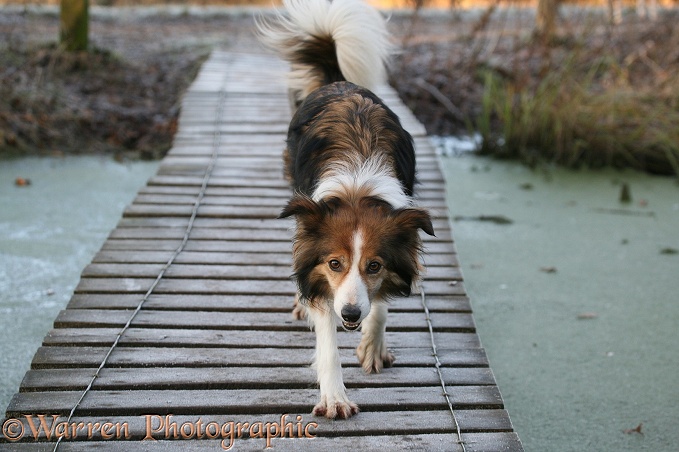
point(587, 315)
point(636, 429)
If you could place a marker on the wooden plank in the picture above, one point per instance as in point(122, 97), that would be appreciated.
point(197, 271)
point(194, 257)
point(254, 303)
point(440, 224)
point(374, 423)
point(475, 442)
point(233, 257)
point(231, 246)
point(243, 320)
point(231, 223)
point(224, 287)
point(277, 203)
point(178, 378)
point(157, 357)
point(246, 401)
point(219, 338)
point(258, 235)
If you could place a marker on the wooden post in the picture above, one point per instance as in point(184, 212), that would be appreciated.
point(74, 24)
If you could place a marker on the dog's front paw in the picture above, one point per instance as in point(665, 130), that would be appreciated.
point(334, 407)
point(374, 357)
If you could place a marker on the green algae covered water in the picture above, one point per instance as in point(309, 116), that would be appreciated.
point(49, 231)
point(576, 299)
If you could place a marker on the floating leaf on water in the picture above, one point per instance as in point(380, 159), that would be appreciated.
point(669, 250)
point(587, 315)
point(548, 269)
point(636, 429)
point(497, 219)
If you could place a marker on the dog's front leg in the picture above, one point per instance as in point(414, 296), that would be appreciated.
point(334, 402)
point(372, 352)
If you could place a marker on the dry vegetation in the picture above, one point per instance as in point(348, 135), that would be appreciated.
point(122, 97)
point(594, 95)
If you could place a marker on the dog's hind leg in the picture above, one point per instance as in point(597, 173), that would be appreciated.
point(334, 402)
point(372, 352)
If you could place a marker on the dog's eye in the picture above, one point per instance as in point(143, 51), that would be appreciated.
point(374, 267)
point(335, 265)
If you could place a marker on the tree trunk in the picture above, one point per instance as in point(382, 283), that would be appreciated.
point(74, 24)
point(545, 25)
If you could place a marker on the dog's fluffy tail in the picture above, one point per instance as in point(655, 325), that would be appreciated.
point(326, 42)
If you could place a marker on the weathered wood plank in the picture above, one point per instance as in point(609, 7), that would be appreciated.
point(438, 442)
point(252, 303)
point(215, 338)
point(243, 320)
point(278, 203)
point(474, 442)
point(233, 257)
point(224, 287)
point(235, 182)
point(246, 401)
point(231, 223)
point(370, 423)
point(82, 357)
point(194, 257)
point(258, 235)
point(179, 378)
point(283, 246)
point(197, 271)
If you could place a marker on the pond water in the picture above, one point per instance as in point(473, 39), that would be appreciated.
point(49, 231)
point(576, 298)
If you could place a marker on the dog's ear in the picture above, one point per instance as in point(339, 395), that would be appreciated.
point(303, 207)
point(415, 219)
point(299, 205)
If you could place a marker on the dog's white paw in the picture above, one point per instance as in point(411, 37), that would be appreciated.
point(335, 407)
point(374, 356)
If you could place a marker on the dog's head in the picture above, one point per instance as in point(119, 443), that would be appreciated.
point(354, 252)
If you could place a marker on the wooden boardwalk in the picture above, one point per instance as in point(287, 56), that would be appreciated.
point(184, 316)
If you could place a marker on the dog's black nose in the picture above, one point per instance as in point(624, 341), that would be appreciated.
point(351, 313)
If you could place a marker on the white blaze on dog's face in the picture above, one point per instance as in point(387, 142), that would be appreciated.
point(354, 280)
point(350, 254)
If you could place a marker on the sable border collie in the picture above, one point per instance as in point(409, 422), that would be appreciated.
point(352, 168)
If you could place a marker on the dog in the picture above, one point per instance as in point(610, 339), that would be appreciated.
point(351, 166)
